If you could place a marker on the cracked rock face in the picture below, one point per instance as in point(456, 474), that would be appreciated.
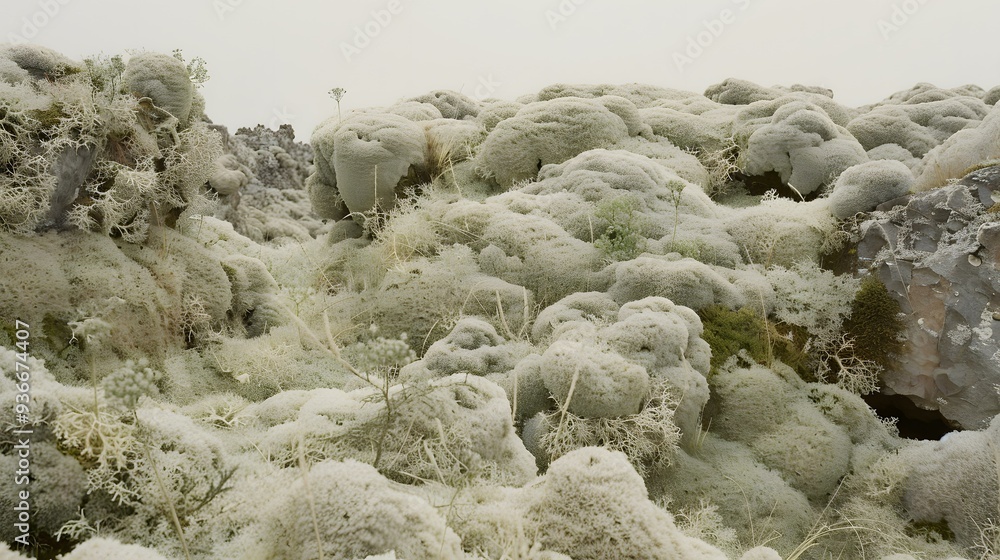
point(938, 253)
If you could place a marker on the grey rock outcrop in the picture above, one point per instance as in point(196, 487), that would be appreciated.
point(938, 253)
point(280, 161)
point(71, 169)
point(271, 201)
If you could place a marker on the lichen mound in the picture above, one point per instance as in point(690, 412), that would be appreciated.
point(592, 504)
point(351, 511)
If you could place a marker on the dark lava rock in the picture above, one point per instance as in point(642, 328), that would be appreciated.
point(938, 252)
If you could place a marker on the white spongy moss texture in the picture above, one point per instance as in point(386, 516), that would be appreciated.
point(451, 104)
point(165, 80)
point(864, 186)
point(752, 498)
point(783, 428)
point(955, 480)
point(920, 120)
point(685, 282)
point(666, 339)
point(371, 154)
point(547, 132)
point(959, 152)
point(593, 382)
point(592, 505)
point(100, 548)
point(500, 366)
point(24, 62)
point(360, 160)
point(805, 147)
point(348, 510)
point(473, 346)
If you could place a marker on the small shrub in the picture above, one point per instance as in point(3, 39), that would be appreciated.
point(105, 444)
point(621, 240)
point(676, 188)
point(722, 166)
point(105, 75)
point(196, 67)
point(127, 385)
point(812, 298)
point(380, 355)
point(120, 199)
point(854, 374)
point(874, 323)
point(26, 183)
point(647, 438)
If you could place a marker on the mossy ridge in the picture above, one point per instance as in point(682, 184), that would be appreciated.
point(985, 164)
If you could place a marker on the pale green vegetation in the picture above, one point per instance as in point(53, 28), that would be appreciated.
point(527, 332)
point(621, 240)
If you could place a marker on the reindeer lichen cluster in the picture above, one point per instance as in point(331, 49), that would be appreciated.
point(84, 148)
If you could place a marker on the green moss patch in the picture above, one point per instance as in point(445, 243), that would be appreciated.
point(727, 332)
point(875, 324)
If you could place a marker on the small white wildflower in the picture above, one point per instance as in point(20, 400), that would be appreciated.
point(127, 385)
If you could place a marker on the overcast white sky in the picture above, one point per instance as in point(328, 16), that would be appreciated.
point(272, 62)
